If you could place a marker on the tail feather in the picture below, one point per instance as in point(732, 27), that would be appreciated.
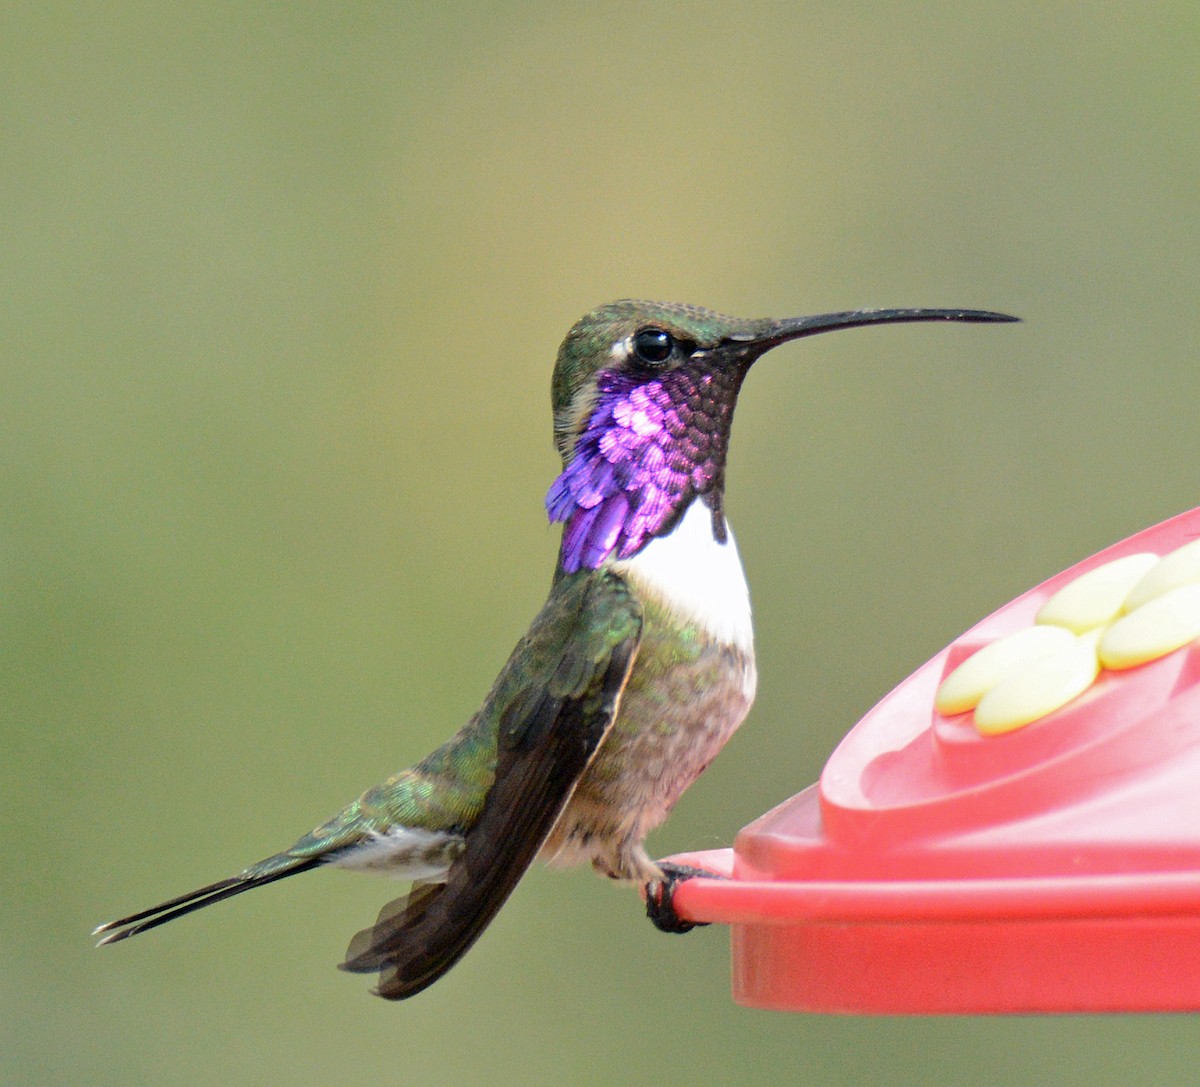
point(144, 920)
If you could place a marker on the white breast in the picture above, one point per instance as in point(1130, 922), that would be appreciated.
point(699, 579)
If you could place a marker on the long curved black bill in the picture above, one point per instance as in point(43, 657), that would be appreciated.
point(793, 328)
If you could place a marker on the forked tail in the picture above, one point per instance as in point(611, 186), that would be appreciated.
point(276, 868)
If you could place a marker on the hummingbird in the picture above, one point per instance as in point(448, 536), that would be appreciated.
point(634, 674)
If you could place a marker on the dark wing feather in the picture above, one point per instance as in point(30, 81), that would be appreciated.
point(553, 706)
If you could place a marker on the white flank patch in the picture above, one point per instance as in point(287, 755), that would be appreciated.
point(698, 578)
point(403, 852)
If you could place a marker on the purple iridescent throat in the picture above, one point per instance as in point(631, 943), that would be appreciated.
point(650, 447)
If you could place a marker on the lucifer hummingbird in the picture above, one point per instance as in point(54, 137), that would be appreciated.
point(634, 674)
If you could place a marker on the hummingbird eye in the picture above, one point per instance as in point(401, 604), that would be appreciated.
point(653, 345)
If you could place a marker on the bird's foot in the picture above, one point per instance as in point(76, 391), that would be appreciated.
point(660, 897)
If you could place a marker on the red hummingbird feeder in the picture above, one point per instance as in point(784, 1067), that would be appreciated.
point(1014, 828)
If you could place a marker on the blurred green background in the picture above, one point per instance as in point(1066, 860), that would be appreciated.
point(283, 286)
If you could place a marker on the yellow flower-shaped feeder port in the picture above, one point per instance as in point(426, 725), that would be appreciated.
point(1124, 613)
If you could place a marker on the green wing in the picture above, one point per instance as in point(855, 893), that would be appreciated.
point(550, 709)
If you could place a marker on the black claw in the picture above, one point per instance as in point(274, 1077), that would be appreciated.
point(660, 897)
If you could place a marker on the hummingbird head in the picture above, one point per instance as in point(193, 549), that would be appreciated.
point(643, 396)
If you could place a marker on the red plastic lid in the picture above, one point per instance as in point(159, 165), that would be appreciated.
point(939, 868)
